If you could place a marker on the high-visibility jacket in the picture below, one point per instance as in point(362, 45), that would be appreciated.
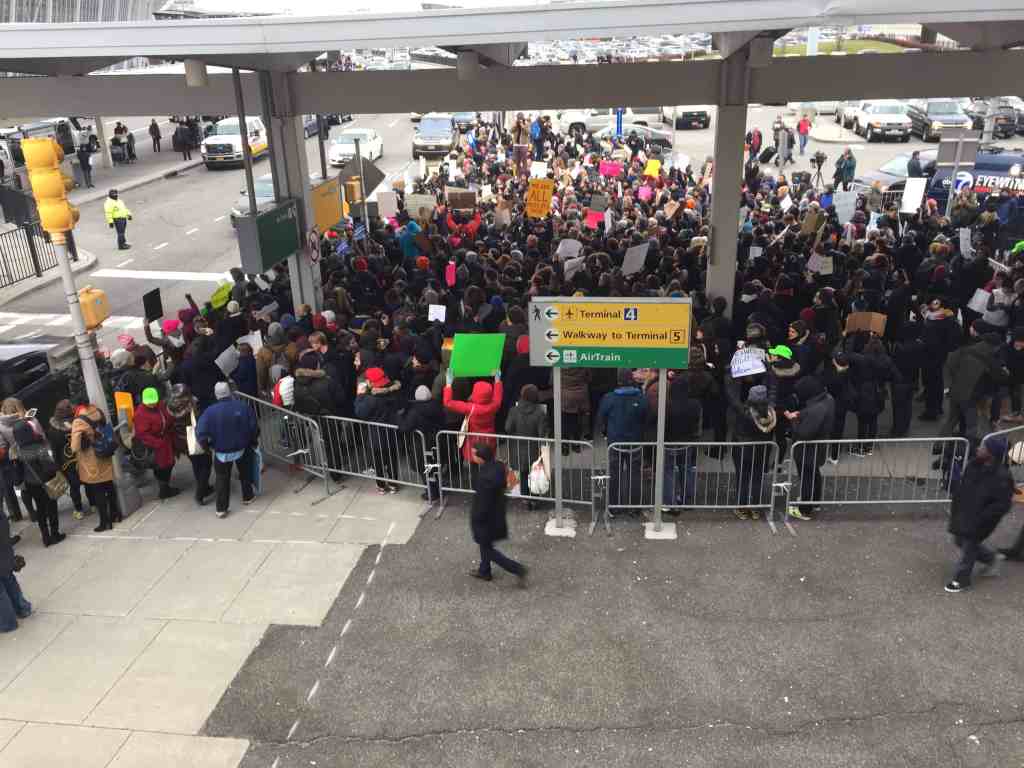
point(115, 209)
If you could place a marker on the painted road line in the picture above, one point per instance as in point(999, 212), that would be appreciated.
point(145, 274)
point(17, 318)
point(5, 328)
point(219, 218)
point(125, 263)
point(27, 335)
point(393, 123)
point(62, 320)
point(158, 247)
point(192, 231)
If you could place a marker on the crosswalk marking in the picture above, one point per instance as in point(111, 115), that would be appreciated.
point(16, 321)
point(146, 274)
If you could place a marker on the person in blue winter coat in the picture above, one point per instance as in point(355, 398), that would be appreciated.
point(229, 428)
point(245, 374)
point(622, 414)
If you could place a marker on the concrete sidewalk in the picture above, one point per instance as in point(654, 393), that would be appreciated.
point(136, 633)
point(86, 261)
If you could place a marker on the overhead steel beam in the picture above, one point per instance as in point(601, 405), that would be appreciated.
point(897, 75)
point(983, 36)
point(197, 38)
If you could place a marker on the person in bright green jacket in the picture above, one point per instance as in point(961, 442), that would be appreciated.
point(118, 216)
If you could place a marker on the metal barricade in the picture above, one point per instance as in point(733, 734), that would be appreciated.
point(371, 449)
point(457, 474)
point(291, 438)
point(701, 475)
point(907, 470)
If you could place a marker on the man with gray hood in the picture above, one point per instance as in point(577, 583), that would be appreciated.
point(812, 422)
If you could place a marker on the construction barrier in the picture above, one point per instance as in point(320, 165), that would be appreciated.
point(291, 438)
point(703, 475)
point(456, 473)
point(375, 450)
point(909, 470)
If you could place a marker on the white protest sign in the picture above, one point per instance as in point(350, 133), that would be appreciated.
point(979, 301)
point(420, 206)
point(787, 203)
point(436, 312)
point(965, 242)
point(873, 222)
point(453, 170)
point(755, 252)
point(568, 249)
point(913, 193)
point(254, 340)
point(486, 193)
point(387, 204)
point(538, 169)
point(635, 258)
point(227, 360)
point(572, 266)
point(609, 220)
point(748, 361)
point(826, 266)
point(845, 204)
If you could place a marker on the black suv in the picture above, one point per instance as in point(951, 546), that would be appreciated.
point(930, 117)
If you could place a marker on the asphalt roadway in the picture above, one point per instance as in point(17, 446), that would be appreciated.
point(181, 225)
point(729, 647)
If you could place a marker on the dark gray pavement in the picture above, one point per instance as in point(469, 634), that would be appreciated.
point(728, 647)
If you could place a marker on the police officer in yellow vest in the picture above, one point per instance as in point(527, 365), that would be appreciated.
point(118, 217)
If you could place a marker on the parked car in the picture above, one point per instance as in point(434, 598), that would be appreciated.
point(692, 116)
point(594, 120)
point(436, 135)
point(929, 117)
point(343, 146)
point(893, 172)
point(845, 112)
point(27, 374)
point(813, 107)
point(882, 120)
point(309, 122)
point(1005, 121)
point(263, 187)
point(657, 137)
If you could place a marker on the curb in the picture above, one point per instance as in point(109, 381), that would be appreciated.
point(141, 181)
point(86, 261)
point(845, 137)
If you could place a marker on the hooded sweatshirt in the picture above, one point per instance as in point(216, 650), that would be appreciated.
point(483, 405)
point(527, 419)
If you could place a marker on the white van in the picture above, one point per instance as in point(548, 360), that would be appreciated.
point(223, 145)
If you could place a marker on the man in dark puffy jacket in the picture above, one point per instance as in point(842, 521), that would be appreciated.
point(229, 428)
point(971, 372)
point(983, 498)
point(379, 401)
point(423, 414)
point(814, 421)
point(941, 335)
point(622, 414)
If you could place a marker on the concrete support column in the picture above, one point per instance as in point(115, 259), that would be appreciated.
point(730, 129)
point(101, 136)
point(290, 166)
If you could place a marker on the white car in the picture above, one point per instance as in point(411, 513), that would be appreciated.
point(881, 119)
point(815, 107)
point(343, 146)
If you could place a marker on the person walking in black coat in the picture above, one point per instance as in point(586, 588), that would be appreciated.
point(487, 517)
point(983, 497)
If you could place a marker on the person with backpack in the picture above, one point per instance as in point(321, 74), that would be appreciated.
point(537, 138)
point(93, 443)
point(40, 469)
point(276, 351)
point(154, 428)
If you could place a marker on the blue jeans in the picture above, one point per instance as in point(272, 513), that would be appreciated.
point(684, 490)
point(13, 605)
point(803, 142)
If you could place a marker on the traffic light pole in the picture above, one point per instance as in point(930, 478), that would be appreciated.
point(128, 498)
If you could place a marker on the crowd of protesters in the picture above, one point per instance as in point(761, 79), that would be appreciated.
point(953, 321)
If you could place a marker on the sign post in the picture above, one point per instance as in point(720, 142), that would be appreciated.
point(619, 112)
point(582, 332)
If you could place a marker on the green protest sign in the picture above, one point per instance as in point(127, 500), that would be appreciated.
point(476, 354)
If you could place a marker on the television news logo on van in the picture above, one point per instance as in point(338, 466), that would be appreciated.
point(988, 182)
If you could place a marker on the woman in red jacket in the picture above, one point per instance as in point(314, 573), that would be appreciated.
point(154, 428)
point(482, 406)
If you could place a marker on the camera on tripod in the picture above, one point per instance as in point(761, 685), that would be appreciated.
point(819, 159)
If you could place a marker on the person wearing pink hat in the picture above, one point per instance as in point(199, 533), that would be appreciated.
point(171, 342)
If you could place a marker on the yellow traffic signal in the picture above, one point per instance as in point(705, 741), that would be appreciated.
point(49, 185)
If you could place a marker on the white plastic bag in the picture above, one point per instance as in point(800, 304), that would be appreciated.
point(538, 479)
